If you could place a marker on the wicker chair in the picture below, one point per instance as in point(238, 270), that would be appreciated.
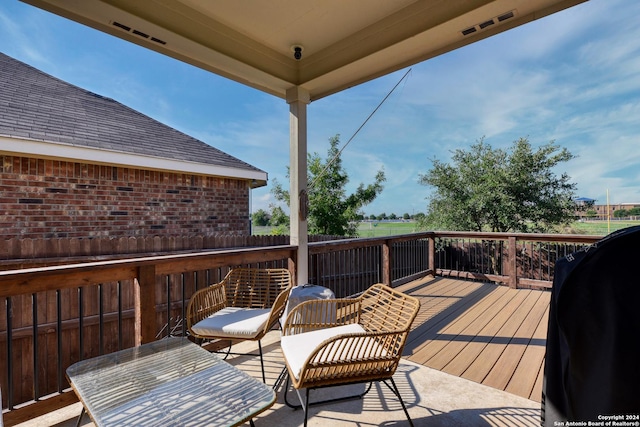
point(245, 305)
point(344, 341)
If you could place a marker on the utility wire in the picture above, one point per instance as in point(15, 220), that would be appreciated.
point(358, 130)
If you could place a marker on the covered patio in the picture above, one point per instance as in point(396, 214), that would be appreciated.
point(285, 49)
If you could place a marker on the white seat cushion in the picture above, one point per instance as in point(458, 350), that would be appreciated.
point(297, 348)
point(233, 322)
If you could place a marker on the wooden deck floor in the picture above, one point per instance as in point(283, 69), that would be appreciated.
point(486, 333)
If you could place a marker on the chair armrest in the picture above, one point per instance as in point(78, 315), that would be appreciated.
point(277, 308)
point(355, 356)
point(204, 303)
point(321, 313)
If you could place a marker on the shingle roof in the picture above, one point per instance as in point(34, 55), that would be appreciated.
point(39, 107)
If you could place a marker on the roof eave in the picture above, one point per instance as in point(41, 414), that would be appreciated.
point(55, 150)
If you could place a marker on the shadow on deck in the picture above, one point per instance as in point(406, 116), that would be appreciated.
point(489, 334)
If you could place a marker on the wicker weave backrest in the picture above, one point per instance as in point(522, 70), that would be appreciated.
point(385, 309)
point(388, 311)
point(255, 287)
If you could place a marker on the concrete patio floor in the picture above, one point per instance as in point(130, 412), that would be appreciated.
point(433, 399)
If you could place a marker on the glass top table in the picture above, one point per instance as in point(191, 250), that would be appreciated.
point(171, 382)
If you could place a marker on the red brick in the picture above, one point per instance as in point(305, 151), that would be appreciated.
point(78, 200)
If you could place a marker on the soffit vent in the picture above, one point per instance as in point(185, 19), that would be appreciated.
point(506, 16)
point(489, 22)
point(138, 33)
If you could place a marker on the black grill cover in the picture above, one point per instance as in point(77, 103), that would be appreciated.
point(593, 342)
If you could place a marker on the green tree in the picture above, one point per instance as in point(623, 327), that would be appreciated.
point(621, 213)
point(486, 189)
point(331, 210)
point(278, 216)
point(260, 217)
point(279, 221)
point(406, 216)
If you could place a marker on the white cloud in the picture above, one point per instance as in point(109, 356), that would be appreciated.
point(24, 39)
point(261, 199)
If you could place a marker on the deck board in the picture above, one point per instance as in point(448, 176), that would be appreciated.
point(501, 373)
point(473, 324)
point(459, 364)
point(537, 388)
point(429, 340)
point(483, 332)
point(523, 382)
point(480, 368)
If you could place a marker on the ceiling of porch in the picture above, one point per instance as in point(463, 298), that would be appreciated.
point(344, 43)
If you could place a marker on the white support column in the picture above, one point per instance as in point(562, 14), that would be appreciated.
point(298, 98)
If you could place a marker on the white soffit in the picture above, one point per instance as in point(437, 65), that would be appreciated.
point(346, 42)
point(65, 152)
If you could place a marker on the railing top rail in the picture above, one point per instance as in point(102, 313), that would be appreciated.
point(332, 245)
point(565, 238)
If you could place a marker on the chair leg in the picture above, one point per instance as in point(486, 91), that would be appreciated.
point(395, 391)
point(283, 375)
point(264, 378)
point(306, 408)
point(320, 402)
point(80, 417)
point(228, 351)
point(304, 405)
point(286, 389)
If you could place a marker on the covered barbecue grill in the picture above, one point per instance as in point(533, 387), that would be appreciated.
point(592, 369)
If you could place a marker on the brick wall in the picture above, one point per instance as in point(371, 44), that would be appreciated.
point(43, 198)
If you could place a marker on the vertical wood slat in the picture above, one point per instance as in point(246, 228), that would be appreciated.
point(513, 263)
point(432, 254)
point(294, 274)
point(145, 300)
point(386, 263)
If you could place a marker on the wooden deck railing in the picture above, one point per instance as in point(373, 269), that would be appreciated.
point(515, 259)
point(55, 316)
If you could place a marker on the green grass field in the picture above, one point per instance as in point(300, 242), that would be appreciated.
point(382, 229)
point(596, 228)
point(600, 228)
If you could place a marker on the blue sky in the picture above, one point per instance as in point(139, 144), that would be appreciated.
point(573, 77)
